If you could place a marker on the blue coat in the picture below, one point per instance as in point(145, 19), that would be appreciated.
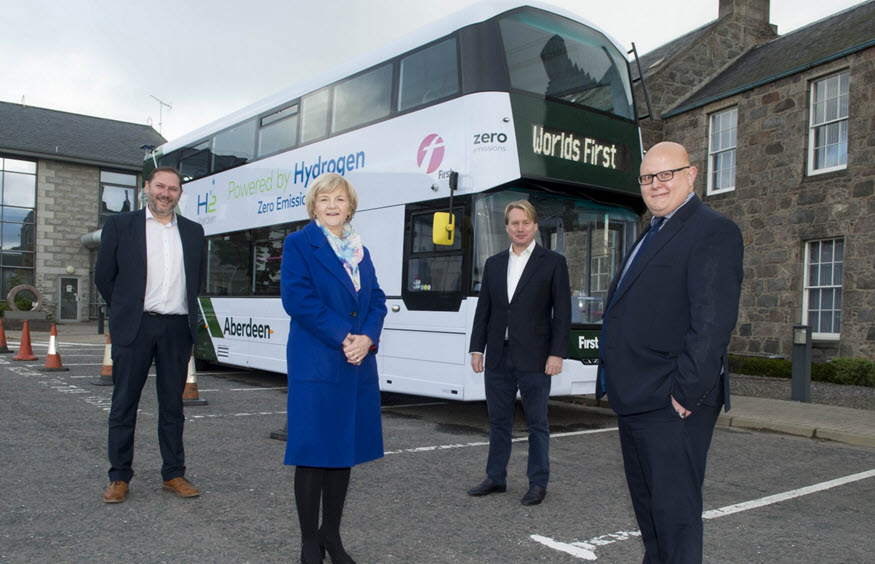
point(333, 406)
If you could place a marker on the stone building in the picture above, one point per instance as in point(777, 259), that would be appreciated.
point(782, 131)
point(61, 175)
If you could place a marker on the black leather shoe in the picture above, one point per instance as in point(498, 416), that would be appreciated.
point(487, 487)
point(534, 496)
point(336, 552)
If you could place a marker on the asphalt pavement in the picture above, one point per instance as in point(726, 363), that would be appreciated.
point(841, 424)
point(769, 496)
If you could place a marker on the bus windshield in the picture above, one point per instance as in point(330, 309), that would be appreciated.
point(592, 237)
point(563, 60)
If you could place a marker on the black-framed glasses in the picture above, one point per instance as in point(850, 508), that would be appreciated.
point(662, 176)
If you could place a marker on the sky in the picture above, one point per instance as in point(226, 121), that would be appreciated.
point(204, 59)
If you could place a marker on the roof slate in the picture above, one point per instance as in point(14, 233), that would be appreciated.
point(65, 136)
point(667, 51)
point(836, 36)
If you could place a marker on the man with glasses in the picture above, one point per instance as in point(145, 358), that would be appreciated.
point(671, 309)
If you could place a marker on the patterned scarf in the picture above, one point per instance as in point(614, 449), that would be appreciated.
point(349, 250)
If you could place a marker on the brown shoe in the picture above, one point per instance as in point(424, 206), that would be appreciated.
point(116, 492)
point(181, 487)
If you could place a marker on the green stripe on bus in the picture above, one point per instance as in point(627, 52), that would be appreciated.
point(212, 322)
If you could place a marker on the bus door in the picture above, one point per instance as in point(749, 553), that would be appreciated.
point(424, 346)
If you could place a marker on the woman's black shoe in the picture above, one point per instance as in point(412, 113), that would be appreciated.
point(309, 554)
point(337, 553)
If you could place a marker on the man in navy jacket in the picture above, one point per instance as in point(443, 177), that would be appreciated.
point(671, 310)
point(522, 323)
point(149, 271)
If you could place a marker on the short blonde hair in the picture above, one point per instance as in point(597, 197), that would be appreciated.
point(326, 184)
point(524, 205)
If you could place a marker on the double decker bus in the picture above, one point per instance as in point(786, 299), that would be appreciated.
point(498, 102)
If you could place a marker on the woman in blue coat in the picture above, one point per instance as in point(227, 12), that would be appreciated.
point(329, 288)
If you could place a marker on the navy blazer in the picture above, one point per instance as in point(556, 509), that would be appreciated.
point(538, 317)
point(120, 272)
point(667, 331)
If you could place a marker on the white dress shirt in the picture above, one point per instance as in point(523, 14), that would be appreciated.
point(515, 266)
point(516, 263)
point(165, 273)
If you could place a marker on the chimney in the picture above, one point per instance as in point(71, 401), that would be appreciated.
point(757, 10)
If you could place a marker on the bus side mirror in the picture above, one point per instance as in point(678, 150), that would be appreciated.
point(443, 228)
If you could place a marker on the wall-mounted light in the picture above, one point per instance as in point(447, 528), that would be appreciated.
point(71, 269)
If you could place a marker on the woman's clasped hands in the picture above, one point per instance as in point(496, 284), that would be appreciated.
point(356, 347)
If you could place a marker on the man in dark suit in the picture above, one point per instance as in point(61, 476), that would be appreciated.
point(149, 271)
point(522, 323)
point(671, 310)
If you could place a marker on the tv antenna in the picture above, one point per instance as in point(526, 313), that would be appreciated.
point(161, 104)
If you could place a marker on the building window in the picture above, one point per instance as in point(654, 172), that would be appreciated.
point(828, 136)
point(721, 151)
point(822, 299)
point(118, 193)
point(17, 222)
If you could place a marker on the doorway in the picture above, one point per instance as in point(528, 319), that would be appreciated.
point(69, 299)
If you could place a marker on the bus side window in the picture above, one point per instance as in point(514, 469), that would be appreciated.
point(433, 273)
point(363, 99)
point(234, 147)
point(429, 75)
point(279, 131)
point(194, 162)
point(314, 115)
point(229, 267)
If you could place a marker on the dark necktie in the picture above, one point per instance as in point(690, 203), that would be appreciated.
point(655, 224)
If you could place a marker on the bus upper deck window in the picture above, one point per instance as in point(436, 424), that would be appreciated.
point(428, 75)
point(564, 60)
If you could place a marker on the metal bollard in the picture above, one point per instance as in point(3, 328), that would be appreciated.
point(100, 320)
point(801, 385)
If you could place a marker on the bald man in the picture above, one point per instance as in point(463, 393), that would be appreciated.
point(671, 309)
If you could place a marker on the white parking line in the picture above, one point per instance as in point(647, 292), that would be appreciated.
point(482, 443)
point(222, 415)
point(433, 403)
point(255, 389)
point(61, 344)
point(585, 550)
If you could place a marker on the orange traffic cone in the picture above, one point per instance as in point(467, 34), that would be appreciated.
point(105, 378)
point(189, 394)
point(25, 352)
point(4, 348)
point(53, 357)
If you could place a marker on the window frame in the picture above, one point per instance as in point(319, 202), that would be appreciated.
point(102, 215)
point(338, 94)
point(276, 119)
point(433, 300)
point(397, 108)
point(25, 266)
point(234, 133)
point(624, 74)
point(712, 153)
point(813, 128)
point(807, 288)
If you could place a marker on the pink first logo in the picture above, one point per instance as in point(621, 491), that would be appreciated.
point(431, 153)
